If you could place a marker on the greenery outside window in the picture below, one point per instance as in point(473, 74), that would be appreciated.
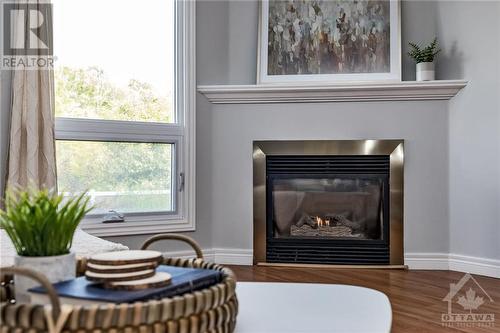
point(125, 91)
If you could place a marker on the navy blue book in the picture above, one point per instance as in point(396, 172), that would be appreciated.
point(84, 292)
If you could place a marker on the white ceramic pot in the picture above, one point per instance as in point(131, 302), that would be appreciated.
point(55, 268)
point(425, 71)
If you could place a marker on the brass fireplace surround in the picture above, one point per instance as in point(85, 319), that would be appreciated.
point(393, 148)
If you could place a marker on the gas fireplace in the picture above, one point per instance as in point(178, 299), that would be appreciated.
point(328, 202)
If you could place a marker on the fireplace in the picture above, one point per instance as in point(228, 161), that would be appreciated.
point(328, 202)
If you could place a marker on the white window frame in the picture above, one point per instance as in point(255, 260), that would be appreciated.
point(182, 134)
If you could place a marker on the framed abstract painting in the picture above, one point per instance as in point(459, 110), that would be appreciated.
point(328, 41)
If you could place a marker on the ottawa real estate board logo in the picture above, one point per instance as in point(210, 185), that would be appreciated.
point(26, 35)
point(465, 299)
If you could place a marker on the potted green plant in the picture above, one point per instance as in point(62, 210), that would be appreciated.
point(424, 58)
point(41, 225)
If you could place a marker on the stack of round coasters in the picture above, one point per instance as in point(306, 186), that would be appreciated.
point(127, 270)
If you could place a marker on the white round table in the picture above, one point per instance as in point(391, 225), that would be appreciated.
point(311, 308)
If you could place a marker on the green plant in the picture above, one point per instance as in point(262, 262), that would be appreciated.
point(42, 222)
point(424, 54)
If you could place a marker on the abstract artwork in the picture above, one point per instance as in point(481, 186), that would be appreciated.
point(329, 40)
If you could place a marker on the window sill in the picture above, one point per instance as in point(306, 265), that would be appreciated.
point(137, 226)
point(341, 92)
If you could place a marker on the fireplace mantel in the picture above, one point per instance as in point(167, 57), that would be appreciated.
point(372, 91)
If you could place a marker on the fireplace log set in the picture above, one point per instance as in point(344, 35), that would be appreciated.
point(330, 225)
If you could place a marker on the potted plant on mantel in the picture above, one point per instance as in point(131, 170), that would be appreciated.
point(41, 225)
point(424, 57)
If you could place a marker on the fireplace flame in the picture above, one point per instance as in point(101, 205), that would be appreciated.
point(322, 223)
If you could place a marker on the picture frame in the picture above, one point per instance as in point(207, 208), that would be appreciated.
point(339, 41)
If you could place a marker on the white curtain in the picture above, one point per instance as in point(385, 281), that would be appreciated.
point(32, 146)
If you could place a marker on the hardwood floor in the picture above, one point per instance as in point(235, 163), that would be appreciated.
point(415, 296)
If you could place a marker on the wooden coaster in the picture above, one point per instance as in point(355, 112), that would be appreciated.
point(118, 258)
point(160, 279)
point(109, 277)
point(121, 268)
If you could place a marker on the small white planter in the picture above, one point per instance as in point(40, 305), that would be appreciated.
point(55, 268)
point(425, 71)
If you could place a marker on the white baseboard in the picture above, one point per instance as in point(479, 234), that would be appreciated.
point(416, 261)
point(208, 254)
point(233, 256)
point(475, 265)
point(453, 262)
point(223, 256)
point(432, 261)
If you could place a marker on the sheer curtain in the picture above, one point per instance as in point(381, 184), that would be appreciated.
point(32, 145)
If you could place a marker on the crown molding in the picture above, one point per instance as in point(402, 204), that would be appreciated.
point(359, 92)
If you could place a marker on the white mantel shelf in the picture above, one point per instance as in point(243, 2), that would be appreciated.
point(399, 91)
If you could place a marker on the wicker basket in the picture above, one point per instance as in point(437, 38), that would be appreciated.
point(210, 310)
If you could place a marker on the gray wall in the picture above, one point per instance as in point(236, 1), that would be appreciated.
point(444, 141)
point(422, 124)
point(227, 38)
point(230, 129)
point(474, 125)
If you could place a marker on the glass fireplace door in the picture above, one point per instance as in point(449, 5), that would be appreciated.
point(343, 207)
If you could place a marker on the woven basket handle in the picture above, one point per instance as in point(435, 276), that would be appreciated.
point(40, 278)
point(178, 237)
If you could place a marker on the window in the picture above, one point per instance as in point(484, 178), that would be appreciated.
point(125, 91)
point(140, 182)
